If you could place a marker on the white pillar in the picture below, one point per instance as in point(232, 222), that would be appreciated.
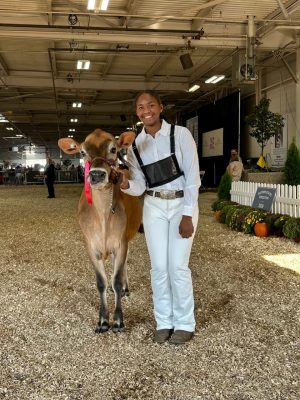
point(297, 97)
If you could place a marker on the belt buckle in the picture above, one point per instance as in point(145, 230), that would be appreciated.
point(167, 194)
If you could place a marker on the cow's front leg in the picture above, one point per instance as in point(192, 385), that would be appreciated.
point(120, 286)
point(103, 324)
point(125, 289)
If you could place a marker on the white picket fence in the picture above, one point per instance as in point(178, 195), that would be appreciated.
point(287, 199)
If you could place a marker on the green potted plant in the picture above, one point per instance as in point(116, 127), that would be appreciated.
point(291, 229)
point(264, 123)
point(292, 165)
point(224, 187)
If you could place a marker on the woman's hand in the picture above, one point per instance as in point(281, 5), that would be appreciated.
point(124, 179)
point(186, 227)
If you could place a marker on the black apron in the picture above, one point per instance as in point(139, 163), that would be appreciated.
point(162, 171)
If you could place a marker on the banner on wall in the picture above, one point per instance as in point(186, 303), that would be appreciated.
point(192, 125)
point(212, 143)
point(279, 146)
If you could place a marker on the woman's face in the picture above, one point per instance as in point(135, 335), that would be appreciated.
point(148, 109)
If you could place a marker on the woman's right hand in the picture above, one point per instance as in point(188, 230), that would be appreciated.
point(124, 182)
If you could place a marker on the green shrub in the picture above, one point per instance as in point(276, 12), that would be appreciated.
point(273, 219)
point(280, 222)
point(236, 220)
point(224, 187)
point(225, 210)
point(291, 228)
point(292, 165)
point(219, 204)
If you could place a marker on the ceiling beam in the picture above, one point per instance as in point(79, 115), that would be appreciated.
point(111, 83)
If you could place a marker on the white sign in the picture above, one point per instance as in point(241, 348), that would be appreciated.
point(279, 146)
point(212, 143)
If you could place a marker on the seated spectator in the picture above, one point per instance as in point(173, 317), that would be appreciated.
point(235, 167)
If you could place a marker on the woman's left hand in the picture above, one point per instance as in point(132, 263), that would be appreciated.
point(186, 227)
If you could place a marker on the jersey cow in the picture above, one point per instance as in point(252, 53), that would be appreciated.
point(108, 217)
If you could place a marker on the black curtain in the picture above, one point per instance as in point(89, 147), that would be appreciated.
point(223, 113)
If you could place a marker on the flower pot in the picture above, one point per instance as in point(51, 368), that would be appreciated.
point(218, 215)
point(261, 229)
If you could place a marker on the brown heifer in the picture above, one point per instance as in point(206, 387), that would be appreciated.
point(108, 218)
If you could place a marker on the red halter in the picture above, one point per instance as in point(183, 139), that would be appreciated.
point(87, 187)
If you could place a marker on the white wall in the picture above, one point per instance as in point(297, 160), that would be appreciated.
point(280, 88)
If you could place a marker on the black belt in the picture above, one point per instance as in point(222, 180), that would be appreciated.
point(166, 194)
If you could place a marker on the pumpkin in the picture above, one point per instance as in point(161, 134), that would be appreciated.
point(218, 215)
point(261, 229)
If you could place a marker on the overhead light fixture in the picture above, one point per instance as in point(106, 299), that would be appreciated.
point(71, 130)
point(97, 5)
point(186, 61)
point(76, 105)
point(73, 120)
point(3, 120)
point(194, 88)
point(83, 64)
point(9, 128)
point(215, 79)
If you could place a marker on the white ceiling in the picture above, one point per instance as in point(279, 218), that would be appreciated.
point(132, 46)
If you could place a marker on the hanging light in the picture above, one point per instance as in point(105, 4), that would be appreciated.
point(215, 79)
point(97, 5)
point(194, 88)
point(83, 64)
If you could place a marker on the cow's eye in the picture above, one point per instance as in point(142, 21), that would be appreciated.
point(113, 150)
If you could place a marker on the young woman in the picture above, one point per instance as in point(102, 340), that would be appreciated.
point(164, 163)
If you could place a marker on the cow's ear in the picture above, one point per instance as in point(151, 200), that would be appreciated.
point(69, 145)
point(126, 139)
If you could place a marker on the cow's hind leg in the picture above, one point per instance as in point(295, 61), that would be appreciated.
point(103, 324)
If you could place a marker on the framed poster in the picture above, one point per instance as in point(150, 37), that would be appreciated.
point(279, 146)
point(192, 125)
point(212, 143)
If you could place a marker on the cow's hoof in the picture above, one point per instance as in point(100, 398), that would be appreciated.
point(125, 293)
point(118, 327)
point(102, 328)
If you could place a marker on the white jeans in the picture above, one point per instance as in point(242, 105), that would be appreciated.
point(169, 254)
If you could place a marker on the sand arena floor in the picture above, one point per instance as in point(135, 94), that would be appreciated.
point(247, 311)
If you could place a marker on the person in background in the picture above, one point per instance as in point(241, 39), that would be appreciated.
point(235, 167)
point(164, 162)
point(50, 177)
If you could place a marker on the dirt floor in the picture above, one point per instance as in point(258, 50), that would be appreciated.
point(247, 311)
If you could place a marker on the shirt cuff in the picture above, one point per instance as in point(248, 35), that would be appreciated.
point(188, 211)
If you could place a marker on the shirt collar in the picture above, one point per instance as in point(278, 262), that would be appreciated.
point(164, 130)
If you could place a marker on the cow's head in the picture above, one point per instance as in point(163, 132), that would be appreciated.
point(100, 150)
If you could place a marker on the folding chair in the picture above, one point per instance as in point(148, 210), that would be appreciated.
point(202, 173)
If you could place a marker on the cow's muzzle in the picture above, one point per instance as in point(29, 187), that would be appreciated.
point(97, 176)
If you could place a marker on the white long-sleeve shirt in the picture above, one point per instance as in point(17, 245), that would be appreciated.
point(156, 148)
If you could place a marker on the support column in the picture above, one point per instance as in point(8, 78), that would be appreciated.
point(297, 98)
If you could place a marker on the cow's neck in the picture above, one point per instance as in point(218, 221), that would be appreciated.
point(104, 201)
